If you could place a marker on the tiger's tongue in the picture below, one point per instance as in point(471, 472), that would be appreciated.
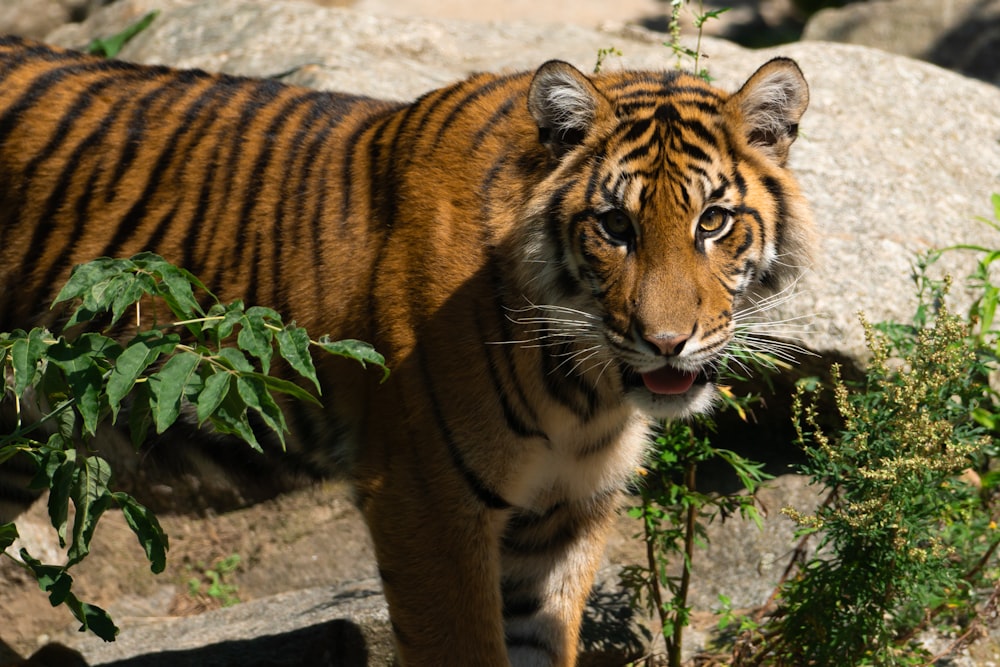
point(668, 380)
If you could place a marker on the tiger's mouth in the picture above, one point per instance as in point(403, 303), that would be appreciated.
point(667, 380)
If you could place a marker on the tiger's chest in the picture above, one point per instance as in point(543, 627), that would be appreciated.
point(578, 459)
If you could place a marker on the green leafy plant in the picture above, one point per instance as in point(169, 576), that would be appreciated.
point(907, 535)
point(213, 581)
point(602, 55)
point(700, 17)
point(674, 515)
point(218, 361)
point(894, 471)
point(109, 47)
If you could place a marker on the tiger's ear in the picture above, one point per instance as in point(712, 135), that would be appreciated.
point(771, 103)
point(565, 105)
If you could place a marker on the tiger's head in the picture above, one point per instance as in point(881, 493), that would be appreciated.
point(667, 213)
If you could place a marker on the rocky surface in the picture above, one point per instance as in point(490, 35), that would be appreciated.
point(961, 35)
point(897, 156)
point(36, 18)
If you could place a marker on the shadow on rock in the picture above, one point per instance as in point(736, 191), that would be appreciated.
point(338, 643)
point(972, 46)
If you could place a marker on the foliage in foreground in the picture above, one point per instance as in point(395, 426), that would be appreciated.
point(217, 362)
point(907, 535)
point(906, 538)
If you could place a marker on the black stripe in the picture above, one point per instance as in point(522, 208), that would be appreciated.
point(747, 241)
point(777, 191)
point(479, 489)
point(637, 130)
point(641, 151)
point(567, 388)
point(694, 151)
point(699, 130)
point(24, 106)
point(382, 200)
point(45, 226)
point(197, 121)
point(466, 103)
point(597, 446)
point(520, 606)
point(260, 95)
point(266, 228)
point(501, 112)
point(182, 81)
point(512, 387)
point(297, 184)
point(129, 224)
point(195, 230)
point(525, 641)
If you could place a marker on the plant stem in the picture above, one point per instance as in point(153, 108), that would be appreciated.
point(649, 535)
point(697, 46)
point(677, 642)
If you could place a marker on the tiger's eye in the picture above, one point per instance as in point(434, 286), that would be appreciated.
point(713, 221)
point(617, 225)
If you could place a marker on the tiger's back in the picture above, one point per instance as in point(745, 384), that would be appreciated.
point(547, 260)
point(209, 170)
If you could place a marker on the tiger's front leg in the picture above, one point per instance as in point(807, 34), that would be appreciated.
point(485, 587)
point(548, 563)
point(438, 557)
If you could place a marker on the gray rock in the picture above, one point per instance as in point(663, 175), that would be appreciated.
point(344, 626)
point(962, 35)
point(341, 626)
point(35, 18)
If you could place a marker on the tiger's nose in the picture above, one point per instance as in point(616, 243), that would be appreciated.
point(668, 345)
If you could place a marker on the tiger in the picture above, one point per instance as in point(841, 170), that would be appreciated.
point(550, 262)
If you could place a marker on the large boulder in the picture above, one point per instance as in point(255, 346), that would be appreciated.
point(897, 156)
point(35, 18)
point(962, 35)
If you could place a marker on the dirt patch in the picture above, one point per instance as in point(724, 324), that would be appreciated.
point(307, 538)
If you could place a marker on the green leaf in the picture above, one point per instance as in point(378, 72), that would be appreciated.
point(168, 385)
point(285, 387)
point(60, 485)
point(133, 288)
point(212, 394)
point(231, 418)
point(101, 297)
point(109, 47)
point(145, 526)
point(140, 354)
point(254, 393)
point(25, 354)
point(231, 315)
point(255, 338)
point(80, 361)
point(91, 498)
point(234, 359)
point(85, 276)
point(8, 533)
point(140, 415)
point(358, 350)
point(52, 579)
point(53, 390)
point(293, 344)
point(92, 618)
point(175, 286)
